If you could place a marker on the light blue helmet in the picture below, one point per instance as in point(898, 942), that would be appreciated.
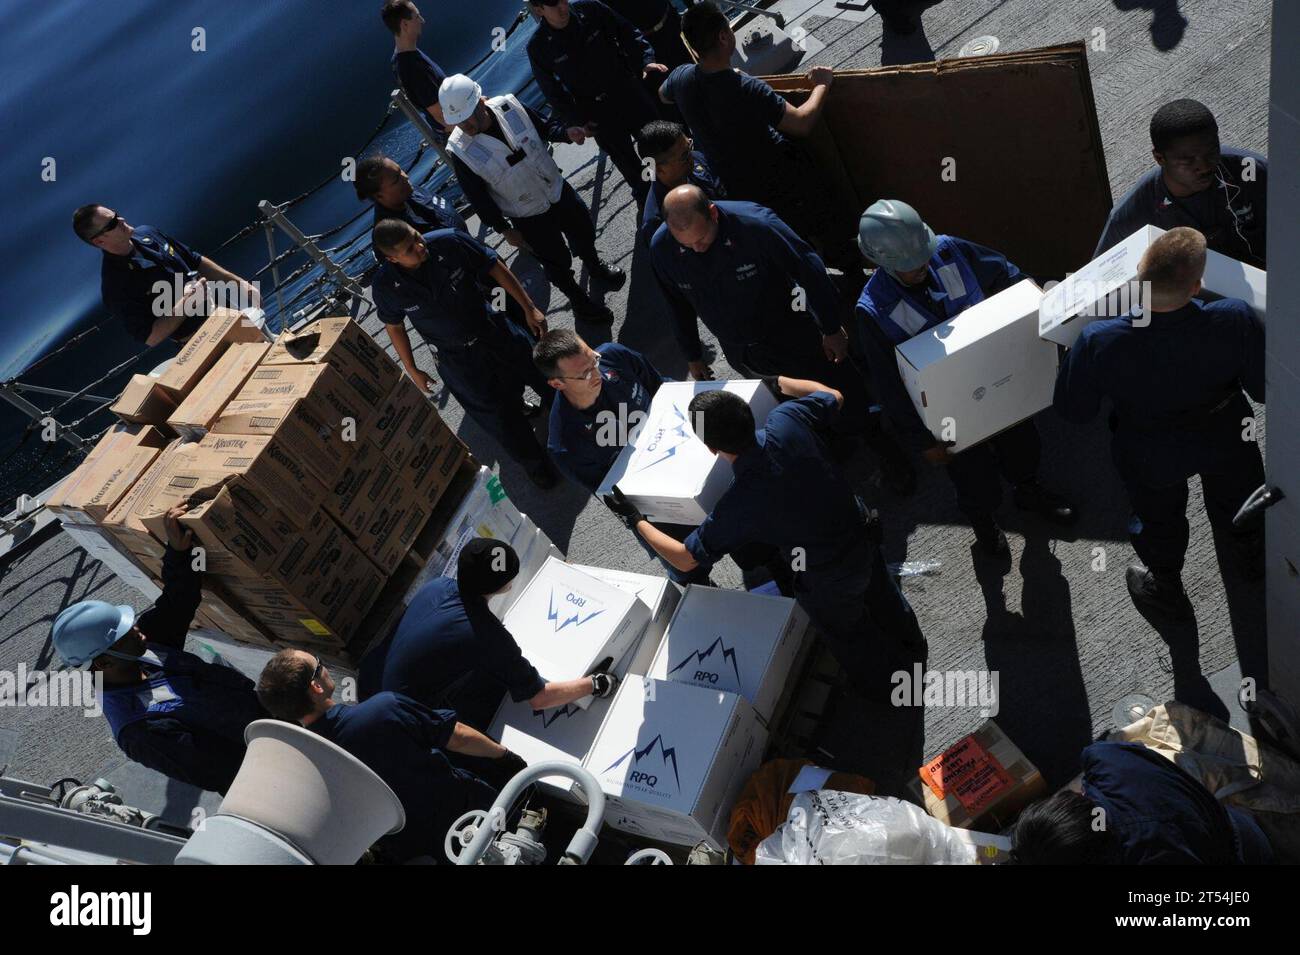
point(894, 236)
point(87, 629)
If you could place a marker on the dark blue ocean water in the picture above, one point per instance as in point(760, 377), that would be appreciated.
point(114, 93)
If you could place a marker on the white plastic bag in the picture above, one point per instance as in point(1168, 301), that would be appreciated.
point(826, 827)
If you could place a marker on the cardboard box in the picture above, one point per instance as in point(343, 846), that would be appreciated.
point(1107, 287)
point(265, 591)
point(672, 759)
point(983, 371)
point(734, 641)
point(122, 520)
point(202, 406)
point(348, 349)
point(144, 401)
point(267, 462)
point(401, 419)
point(665, 469)
point(485, 511)
point(1029, 110)
point(113, 466)
point(534, 549)
point(225, 614)
point(430, 461)
point(566, 621)
point(100, 545)
point(310, 409)
point(223, 328)
point(980, 782)
point(659, 594)
point(332, 578)
point(239, 521)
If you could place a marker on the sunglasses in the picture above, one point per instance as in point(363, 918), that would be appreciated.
point(112, 224)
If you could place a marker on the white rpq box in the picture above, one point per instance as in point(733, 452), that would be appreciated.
point(981, 371)
point(665, 470)
point(659, 594)
point(735, 641)
point(1105, 287)
point(566, 621)
point(672, 759)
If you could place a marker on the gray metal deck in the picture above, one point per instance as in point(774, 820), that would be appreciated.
point(1065, 639)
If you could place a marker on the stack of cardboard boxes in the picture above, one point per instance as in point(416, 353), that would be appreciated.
point(308, 465)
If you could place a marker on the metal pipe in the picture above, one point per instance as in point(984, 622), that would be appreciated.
point(583, 842)
point(58, 392)
point(10, 394)
point(275, 270)
point(420, 119)
point(780, 20)
point(273, 214)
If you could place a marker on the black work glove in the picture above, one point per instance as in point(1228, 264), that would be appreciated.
point(511, 765)
point(624, 508)
point(603, 685)
point(774, 386)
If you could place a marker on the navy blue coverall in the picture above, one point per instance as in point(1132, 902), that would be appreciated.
point(788, 494)
point(425, 211)
point(960, 274)
point(187, 719)
point(701, 174)
point(1176, 388)
point(451, 651)
point(404, 743)
point(485, 360)
point(127, 281)
point(746, 288)
point(590, 72)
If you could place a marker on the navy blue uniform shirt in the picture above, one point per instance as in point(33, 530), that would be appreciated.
point(1162, 379)
point(1158, 813)
point(733, 119)
point(786, 492)
point(419, 77)
point(742, 288)
point(701, 175)
point(402, 741)
point(629, 382)
point(587, 69)
point(444, 297)
point(993, 272)
point(1232, 213)
point(127, 281)
point(425, 211)
point(442, 637)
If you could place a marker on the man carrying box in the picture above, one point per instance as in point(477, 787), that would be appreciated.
point(168, 709)
point(766, 295)
point(450, 651)
point(437, 280)
point(603, 392)
point(1221, 192)
point(921, 281)
point(788, 494)
point(1175, 380)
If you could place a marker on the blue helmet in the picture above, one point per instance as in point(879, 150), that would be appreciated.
point(87, 629)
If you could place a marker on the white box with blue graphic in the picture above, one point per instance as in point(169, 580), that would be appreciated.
point(665, 469)
point(735, 641)
point(672, 758)
point(660, 594)
point(566, 621)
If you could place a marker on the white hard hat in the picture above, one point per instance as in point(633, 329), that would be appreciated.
point(458, 96)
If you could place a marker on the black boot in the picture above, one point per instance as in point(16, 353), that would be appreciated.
point(1033, 497)
point(991, 540)
point(1159, 593)
point(611, 275)
point(543, 474)
point(584, 306)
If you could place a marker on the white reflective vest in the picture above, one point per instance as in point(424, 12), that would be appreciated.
point(529, 187)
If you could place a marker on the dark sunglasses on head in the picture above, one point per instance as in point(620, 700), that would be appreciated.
point(112, 224)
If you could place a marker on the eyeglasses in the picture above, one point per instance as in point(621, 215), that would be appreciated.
point(587, 375)
point(112, 224)
point(315, 674)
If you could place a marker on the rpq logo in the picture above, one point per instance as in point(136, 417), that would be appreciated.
point(576, 603)
point(700, 656)
point(675, 433)
point(648, 775)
